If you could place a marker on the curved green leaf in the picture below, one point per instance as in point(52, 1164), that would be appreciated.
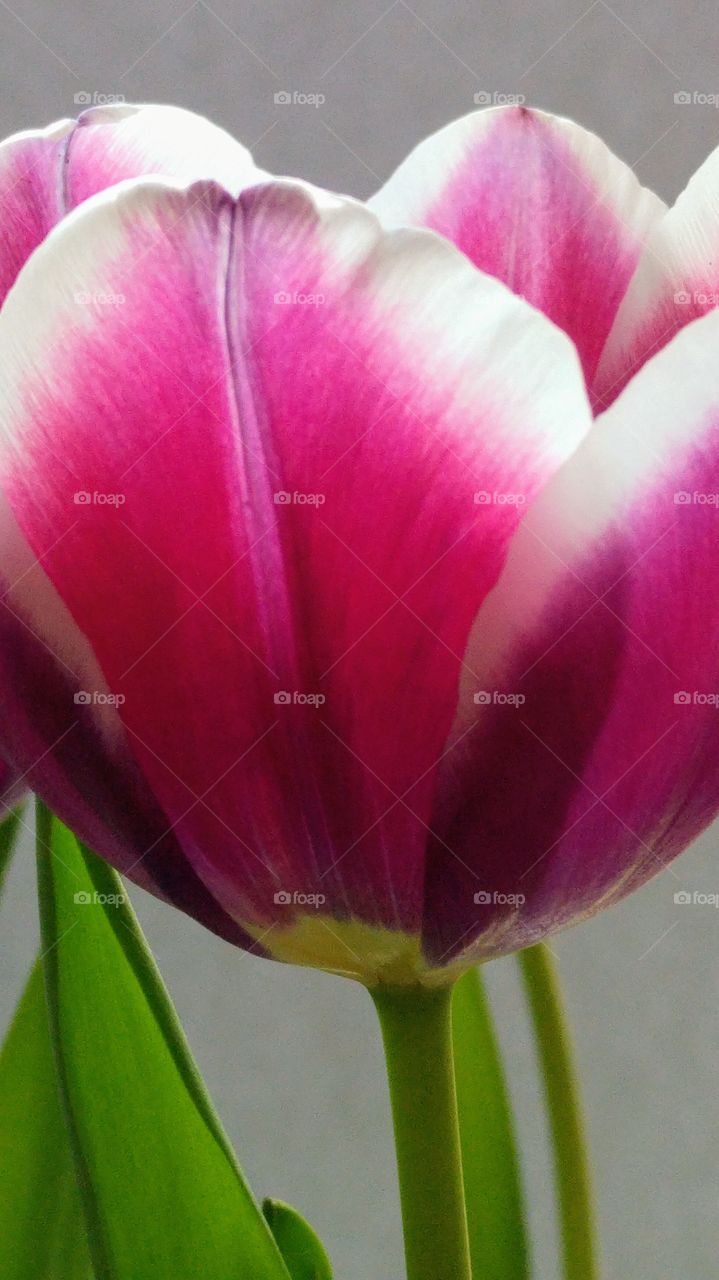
point(42, 1226)
point(297, 1241)
point(492, 1182)
point(163, 1194)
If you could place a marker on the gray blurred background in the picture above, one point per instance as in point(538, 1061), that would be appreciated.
point(292, 1058)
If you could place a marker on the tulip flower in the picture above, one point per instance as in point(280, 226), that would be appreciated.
point(358, 560)
point(332, 615)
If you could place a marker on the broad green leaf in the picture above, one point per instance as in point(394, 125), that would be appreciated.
point(164, 1197)
point(42, 1226)
point(9, 831)
point(298, 1242)
point(497, 1233)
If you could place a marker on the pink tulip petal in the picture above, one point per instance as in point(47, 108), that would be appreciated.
point(46, 172)
point(382, 373)
point(676, 280)
point(63, 737)
point(537, 201)
point(605, 622)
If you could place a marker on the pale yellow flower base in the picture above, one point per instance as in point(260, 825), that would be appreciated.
point(367, 953)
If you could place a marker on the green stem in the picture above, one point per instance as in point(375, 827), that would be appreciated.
point(417, 1033)
point(561, 1088)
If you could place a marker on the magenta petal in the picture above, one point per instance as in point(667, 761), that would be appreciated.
point(63, 738)
point(600, 767)
point(537, 201)
point(280, 417)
